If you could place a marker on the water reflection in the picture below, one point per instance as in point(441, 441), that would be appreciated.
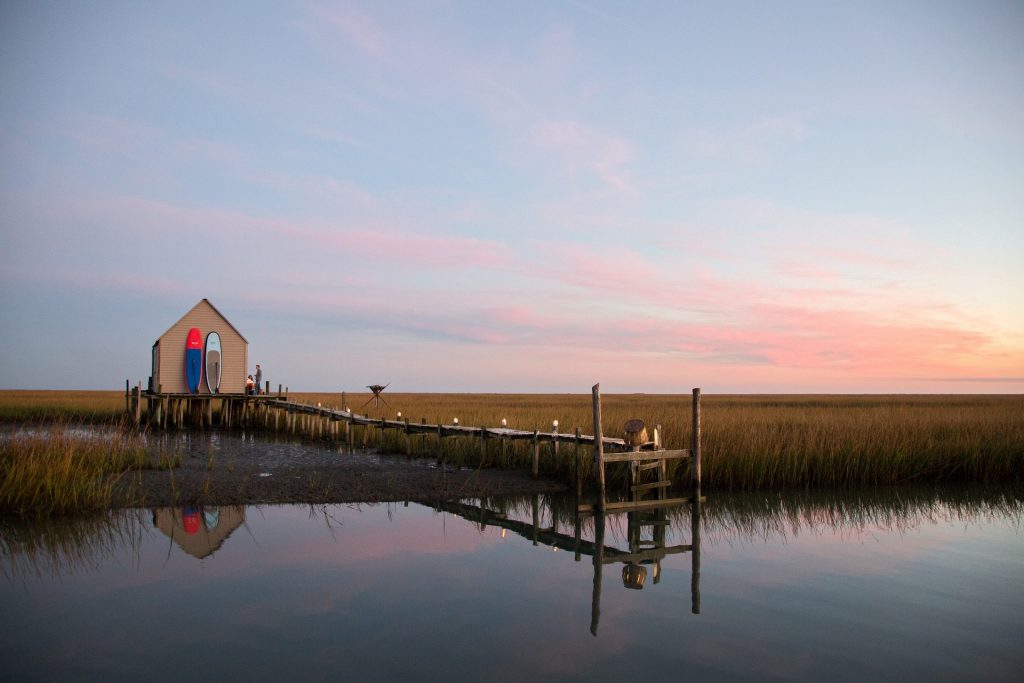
point(646, 542)
point(921, 581)
point(68, 545)
point(199, 531)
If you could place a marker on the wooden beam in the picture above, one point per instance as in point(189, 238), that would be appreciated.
point(646, 455)
point(651, 486)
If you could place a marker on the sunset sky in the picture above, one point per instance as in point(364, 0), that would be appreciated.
point(519, 196)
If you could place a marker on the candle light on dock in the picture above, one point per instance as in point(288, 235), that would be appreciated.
point(554, 423)
point(504, 422)
point(455, 420)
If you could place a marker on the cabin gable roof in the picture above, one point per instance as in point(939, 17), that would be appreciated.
point(189, 312)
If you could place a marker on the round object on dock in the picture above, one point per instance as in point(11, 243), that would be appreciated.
point(635, 433)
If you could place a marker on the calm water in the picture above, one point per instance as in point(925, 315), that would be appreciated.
point(922, 585)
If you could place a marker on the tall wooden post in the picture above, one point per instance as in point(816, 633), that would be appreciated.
point(695, 445)
point(576, 459)
point(598, 444)
point(536, 453)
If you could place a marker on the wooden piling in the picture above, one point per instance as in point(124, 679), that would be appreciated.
point(598, 445)
point(536, 454)
point(695, 445)
point(576, 460)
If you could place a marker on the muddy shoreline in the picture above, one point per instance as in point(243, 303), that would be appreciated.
point(268, 472)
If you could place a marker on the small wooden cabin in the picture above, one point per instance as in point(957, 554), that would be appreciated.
point(169, 353)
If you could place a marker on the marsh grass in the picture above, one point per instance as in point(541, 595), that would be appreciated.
point(59, 467)
point(92, 407)
point(748, 442)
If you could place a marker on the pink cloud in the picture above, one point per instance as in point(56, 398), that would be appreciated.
point(583, 148)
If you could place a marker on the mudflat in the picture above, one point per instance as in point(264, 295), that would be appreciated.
point(319, 477)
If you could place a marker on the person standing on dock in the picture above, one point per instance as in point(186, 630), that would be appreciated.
point(259, 379)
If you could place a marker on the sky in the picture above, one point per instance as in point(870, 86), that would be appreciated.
point(779, 197)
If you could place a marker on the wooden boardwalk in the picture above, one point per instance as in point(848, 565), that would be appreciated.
point(278, 414)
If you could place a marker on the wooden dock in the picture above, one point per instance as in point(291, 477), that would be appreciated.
point(277, 414)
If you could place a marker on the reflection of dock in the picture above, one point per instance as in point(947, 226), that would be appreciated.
point(199, 531)
point(646, 535)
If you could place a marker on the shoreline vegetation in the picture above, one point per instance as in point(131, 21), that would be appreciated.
point(748, 442)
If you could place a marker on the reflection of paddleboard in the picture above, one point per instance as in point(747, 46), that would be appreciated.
point(190, 520)
point(213, 362)
point(211, 518)
point(194, 359)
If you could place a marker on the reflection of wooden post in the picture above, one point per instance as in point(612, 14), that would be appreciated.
point(598, 444)
point(695, 555)
point(536, 517)
point(578, 531)
point(695, 468)
point(595, 603)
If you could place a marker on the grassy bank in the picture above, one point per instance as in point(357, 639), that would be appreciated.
point(765, 441)
point(60, 468)
point(748, 441)
point(100, 407)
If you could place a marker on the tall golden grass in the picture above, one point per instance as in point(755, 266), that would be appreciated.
point(80, 406)
point(759, 441)
point(60, 468)
point(765, 441)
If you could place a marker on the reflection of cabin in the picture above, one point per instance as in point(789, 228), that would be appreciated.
point(169, 353)
point(199, 531)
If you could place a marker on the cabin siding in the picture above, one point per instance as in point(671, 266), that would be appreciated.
point(170, 378)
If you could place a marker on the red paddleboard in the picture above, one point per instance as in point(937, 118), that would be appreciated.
point(193, 359)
